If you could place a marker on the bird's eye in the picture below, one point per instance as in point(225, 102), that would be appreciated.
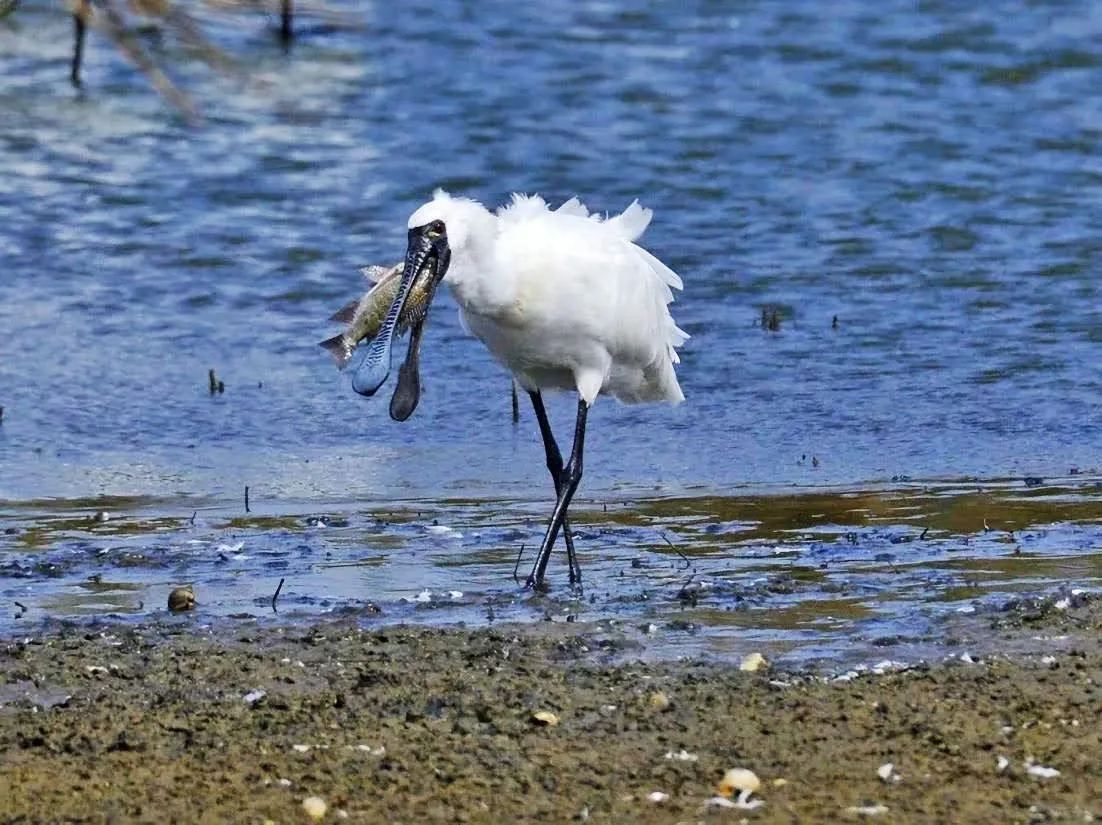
point(435, 229)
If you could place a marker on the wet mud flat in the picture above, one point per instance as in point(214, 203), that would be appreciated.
point(551, 721)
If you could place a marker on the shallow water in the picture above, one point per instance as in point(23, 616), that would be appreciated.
point(929, 177)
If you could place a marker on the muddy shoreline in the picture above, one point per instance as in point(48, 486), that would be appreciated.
point(165, 722)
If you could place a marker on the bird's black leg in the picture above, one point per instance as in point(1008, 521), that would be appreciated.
point(554, 464)
point(78, 44)
point(568, 483)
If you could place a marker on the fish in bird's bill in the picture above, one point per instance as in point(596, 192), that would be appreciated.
point(409, 288)
point(364, 316)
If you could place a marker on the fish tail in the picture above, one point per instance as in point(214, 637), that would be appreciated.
point(339, 348)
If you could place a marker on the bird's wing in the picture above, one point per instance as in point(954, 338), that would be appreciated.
point(587, 275)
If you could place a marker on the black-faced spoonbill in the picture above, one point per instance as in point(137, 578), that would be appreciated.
point(563, 299)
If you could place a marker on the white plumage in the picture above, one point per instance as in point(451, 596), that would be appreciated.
point(563, 299)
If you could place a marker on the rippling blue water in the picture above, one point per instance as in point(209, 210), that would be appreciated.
point(930, 176)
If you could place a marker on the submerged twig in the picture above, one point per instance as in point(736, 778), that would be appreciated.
point(516, 405)
point(247, 498)
point(516, 567)
point(275, 595)
point(677, 550)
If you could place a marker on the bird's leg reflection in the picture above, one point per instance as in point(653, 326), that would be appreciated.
point(554, 464)
point(568, 481)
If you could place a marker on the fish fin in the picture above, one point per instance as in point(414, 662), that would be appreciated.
point(346, 313)
point(338, 347)
point(377, 274)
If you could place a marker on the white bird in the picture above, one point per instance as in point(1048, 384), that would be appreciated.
point(563, 299)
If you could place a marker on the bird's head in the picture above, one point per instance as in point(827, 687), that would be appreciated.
point(464, 219)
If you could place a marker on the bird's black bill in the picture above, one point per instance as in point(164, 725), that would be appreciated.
point(408, 392)
point(424, 248)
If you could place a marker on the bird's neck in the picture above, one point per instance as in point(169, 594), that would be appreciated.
point(473, 275)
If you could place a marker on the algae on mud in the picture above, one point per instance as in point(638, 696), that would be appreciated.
point(103, 723)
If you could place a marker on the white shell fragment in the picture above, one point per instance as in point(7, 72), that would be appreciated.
point(315, 807)
point(867, 810)
point(378, 750)
point(1040, 771)
point(887, 773)
point(300, 748)
point(752, 663)
point(746, 803)
point(658, 796)
point(1002, 765)
point(254, 696)
point(682, 756)
point(721, 802)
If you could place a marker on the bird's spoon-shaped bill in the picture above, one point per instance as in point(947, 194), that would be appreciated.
point(373, 370)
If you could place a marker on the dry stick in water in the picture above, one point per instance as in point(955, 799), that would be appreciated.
point(516, 405)
point(275, 596)
point(213, 383)
point(246, 498)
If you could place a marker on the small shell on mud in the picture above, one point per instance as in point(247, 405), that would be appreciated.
point(887, 773)
point(658, 796)
point(1002, 764)
point(737, 780)
point(659, 701)
point(315, 807)
point(181, 598)
point(753, 662)
point(545, 718)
